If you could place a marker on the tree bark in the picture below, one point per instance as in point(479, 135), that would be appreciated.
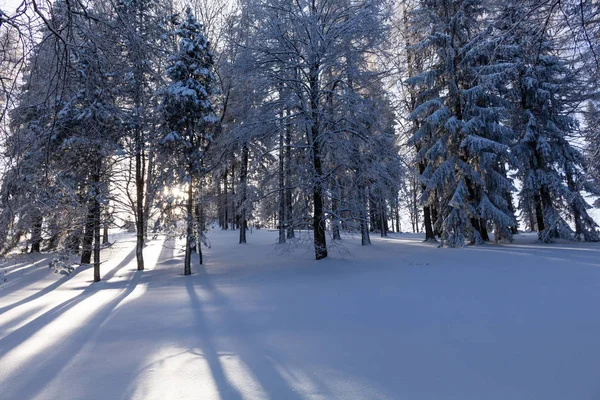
point(139, 203)
point(244, 189)
point(36, 234)
point(281, 172)
point(96, 233)
point(189, 241)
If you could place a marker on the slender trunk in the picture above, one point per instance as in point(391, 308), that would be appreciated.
point(429, 235)
point(397, 213)
point(225, 202)
point(281, 211)
point(320, 239)
point(97, 234)
point(139, 203)
point(364, 225)
point(105, 234)
point(483, 230)
point(219, 203)
point(427, 220)
point(383, 218)
point(189, 241)
point(539, 213)
point(288, 180)
point(244, 189)
point(36, 234)
point(199, 224)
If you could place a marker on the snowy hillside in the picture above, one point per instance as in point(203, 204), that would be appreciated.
point(396, 320)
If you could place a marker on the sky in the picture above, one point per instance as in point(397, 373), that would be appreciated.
point(9, 6)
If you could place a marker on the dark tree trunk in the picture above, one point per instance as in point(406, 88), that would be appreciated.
point(189, 240)
point(427, 211)
point(281, 175)
point(364, 225)
point(105, 234)
point(244, 189)
point(397, 213)
point(139, 203)
point(288, 181)
point(232, 206)
point(219, 203)
point(483, 230)
point(199, 224)
point(36, 235)
point(429, 235)
point(320, 240)
point(96, 212)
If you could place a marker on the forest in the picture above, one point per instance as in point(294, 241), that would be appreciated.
point(466, 120)
point(299, 199)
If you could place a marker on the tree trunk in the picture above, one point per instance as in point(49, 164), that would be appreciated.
point(281, 172)
point(244, 189)
point(539, 213)
point(199, 224)
point(397, 213)
point(320, 240)
point(429, 235)
point(225, 202)
point(139, 203)
point(189, 241)
point(36, 234)
point(233, 213)
point(96, 235)
point(288, 181)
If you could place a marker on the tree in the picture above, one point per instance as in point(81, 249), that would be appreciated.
point(459, 112)
point(189, 115)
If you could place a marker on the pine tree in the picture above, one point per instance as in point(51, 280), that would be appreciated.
point(551, 169)
point(461, 139)
point(189, 115)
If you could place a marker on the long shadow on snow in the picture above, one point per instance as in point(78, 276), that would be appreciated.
point(250, 351)
point(69, 347)
point(20, 335)
point(65, 279)
point(17, 280)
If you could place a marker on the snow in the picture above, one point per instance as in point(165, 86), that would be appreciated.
point(400, 319)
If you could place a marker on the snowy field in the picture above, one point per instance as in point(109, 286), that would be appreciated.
point(397, 320)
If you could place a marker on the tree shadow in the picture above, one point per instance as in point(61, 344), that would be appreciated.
point(251, 352)
point(225, 388)
point(67, 278)
point(20, 335)
point(45, 290)
point(17, 280)
point(65, 350)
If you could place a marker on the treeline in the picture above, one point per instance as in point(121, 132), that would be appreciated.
point(469, 119)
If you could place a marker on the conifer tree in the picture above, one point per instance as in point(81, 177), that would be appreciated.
point(189, 116)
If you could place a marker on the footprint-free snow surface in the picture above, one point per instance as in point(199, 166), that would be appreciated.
point(400, 319)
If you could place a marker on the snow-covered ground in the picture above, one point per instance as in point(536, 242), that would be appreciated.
point(397, 320)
